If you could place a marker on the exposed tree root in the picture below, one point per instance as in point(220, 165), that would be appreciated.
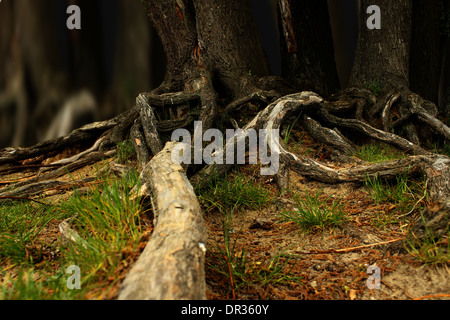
point(139, 142)
point(310, 103)
point(331, 137)
point(81, 136)
point(145, 129)
point(172, 264)
point(156, 115)
point(37, 184)
point(369, 131)
point(36, 189)
point(416, 108)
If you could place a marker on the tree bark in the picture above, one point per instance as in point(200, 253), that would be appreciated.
point(228, 35)
point(171, 266)
point(304, 31)
point(382, 56)
point(219, 36)
point(175, 24)
point(383, 62)
point(213, 50)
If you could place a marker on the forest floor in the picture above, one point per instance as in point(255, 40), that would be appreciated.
point(282, 261)
point(271, 257)
point(260, 249)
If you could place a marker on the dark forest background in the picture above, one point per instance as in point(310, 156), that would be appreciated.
point(52, 80)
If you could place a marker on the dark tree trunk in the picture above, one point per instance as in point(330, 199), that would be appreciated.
point(213, 50)
point(382, 56)
point(304, 33)
point(228, 35)
point(6, 41)
point(344, 25)
point(39, 45)
point(175, 26)
point(219, 36)
point(426, 52)
point(383, 62)
point(35, 83)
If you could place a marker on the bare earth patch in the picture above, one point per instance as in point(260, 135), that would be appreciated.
point(324, 273)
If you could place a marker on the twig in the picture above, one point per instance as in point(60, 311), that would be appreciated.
point(231, 277)
point(350, 249)
point(433, 296)
point(18, 180)
point(408, 213)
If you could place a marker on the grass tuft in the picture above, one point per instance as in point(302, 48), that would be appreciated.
point(228, 194)
point(407, 195)
point(107, 219)
point(378, 152)
point(125, 152)
point(313, 212)
point(430, 249)
point(20, 226)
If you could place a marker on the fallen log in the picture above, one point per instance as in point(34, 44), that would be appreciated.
point(171, 267)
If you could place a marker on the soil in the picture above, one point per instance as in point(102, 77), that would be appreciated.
point(324, 273)
point(319, 264)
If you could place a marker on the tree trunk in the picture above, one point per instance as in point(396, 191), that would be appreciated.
point(40, 50)
point(382, 65)
point(175, 26)
point(382, 56)
point(220, 36)
point(87, 67)
point(228, 35)
point(35, 84)
point(304, 31)
point(213, 50)
point(344, 24)
point(6, 41)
